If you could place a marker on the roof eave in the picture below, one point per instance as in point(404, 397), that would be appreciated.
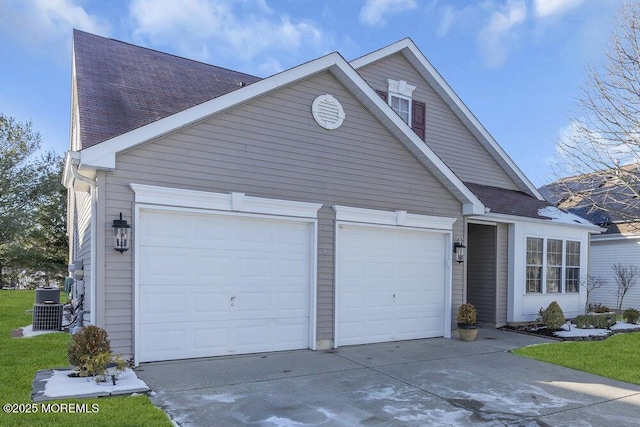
point(512, 219)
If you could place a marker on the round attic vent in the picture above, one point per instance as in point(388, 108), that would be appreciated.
point(327, 112)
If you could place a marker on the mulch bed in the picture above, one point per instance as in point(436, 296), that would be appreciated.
point(538, 329)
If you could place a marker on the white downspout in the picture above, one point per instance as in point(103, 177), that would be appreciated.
point(94, 244)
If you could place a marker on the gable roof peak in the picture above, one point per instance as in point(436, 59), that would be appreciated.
point(419, 61)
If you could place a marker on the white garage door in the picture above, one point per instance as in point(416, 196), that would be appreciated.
point(221, 284)
point(391, 284)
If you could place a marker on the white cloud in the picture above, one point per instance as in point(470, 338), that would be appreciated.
point(374, 12)
point(450, 17)
point(546, 8)
point(500, 33)
point(45, 23)
point(580, 149)
point(239, 30)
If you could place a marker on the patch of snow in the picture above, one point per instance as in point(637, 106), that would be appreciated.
point(418, 413)
point(558, 215)
point(282, 422)
point(222, 398)
point(623, 326)
point(61, 385)
point(388, 393)
point(570, 330)
point(27, 332)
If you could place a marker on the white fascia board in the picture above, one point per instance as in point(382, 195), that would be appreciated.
point(231, 202)
point(398, 218)
point(103, 155)
point(513, 219)
point(431, 75)
point(401, 130)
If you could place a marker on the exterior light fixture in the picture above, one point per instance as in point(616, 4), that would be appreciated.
point(458, 249)
point(112, 371)
point(121, 234)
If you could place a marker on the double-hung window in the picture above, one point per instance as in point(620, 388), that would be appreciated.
point(399, 96)
point(552, 266)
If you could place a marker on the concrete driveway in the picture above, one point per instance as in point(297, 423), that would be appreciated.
point(443, 382)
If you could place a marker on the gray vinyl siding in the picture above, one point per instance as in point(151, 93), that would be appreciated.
point(446, 135)
point(271, 147)
point(80, 239)
point(502, 275)
point(481, 271)
point(602, 256)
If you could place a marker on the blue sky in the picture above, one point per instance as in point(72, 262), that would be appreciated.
point(517, 64)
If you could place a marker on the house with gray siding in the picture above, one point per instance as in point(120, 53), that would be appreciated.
point(608, 198)
point(315, 208)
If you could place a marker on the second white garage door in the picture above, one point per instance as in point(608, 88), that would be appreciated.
point(390, 284)
point(213, 284)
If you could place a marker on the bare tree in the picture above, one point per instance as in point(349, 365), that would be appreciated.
point(601, 147)
point(626, 278)
point(590, 284)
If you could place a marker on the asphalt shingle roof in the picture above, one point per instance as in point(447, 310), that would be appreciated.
point(121, 87)
point(508, 202)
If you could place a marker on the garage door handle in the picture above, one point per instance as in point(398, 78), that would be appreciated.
point(232, 299)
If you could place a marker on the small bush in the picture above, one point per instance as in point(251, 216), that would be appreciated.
point(553, 317)
point(88, 343)
point(467, 314)
point(96, 366)
point(598, 321)
point(631, 315)
point(602, 309)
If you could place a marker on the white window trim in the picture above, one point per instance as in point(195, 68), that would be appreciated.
point(400, 87)
point(563, 274)
point(402, 90)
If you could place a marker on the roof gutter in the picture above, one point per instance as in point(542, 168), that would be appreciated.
point(70, 179)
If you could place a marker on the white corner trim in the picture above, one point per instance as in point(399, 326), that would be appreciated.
point(234, 202)
point(401, 87)
point(398, 218)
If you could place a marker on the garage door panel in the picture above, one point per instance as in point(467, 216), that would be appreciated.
point(164, 304)
point(226, 285)
point(390, 284)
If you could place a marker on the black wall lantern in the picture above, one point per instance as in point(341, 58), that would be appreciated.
point(121, 234)
point(458, 249)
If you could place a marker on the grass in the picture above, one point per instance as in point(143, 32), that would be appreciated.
point(20, 358)
point(617, 357)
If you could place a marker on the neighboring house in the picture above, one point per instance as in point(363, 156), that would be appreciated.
point(315, 208)
point(607, 200)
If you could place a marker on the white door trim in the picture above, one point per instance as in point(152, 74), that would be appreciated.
point(346, 215)
point(155, 198)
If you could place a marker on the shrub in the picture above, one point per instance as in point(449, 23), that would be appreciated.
point(89, 342)
point(467, 315)
point(631, 315)
point(602, 309)
point(553, 317)
point(96, 366)
point(599, 321)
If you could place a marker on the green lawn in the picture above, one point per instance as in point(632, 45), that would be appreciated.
point(20, 358)
point(617, 357)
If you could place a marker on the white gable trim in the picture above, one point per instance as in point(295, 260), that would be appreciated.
point(103, 155)
point(399, 218)
point(431, 75)
point(236, 202)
